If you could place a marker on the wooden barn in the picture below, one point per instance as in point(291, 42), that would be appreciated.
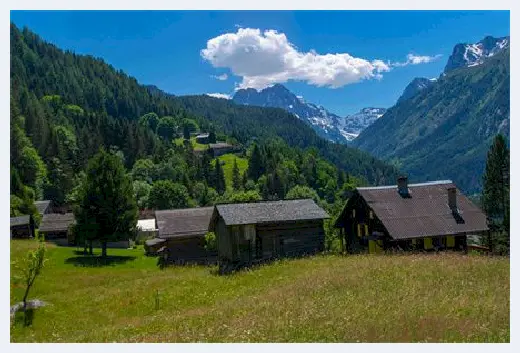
point(22, 227)
point(428, 216)
point(44, 207)
point(248, 233)
point(181, 235)
point(56, 225)
point(220, 148)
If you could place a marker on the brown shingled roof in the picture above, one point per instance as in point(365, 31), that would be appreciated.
point(183, 222)
point(56, 222)
point(425, 213)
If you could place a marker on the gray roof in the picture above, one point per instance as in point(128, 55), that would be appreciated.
point(220, 145)
point(425, 213)
point(203, 135)
point(270, 211)
point(42, 206)
point(183, 222)
point(20, 221)
point(56, 222)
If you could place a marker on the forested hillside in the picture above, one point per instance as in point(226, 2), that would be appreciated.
point(64, 107)
point(445, 130)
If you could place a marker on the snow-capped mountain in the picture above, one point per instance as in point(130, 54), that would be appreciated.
point(414, 87)
point(278, 96)
point(474, 54)
point(352, 125)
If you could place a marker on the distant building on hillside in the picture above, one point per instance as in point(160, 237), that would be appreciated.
point(22, 227)
point(427, 216)
point(181, 235)
point(249, 233)
point(220, 148)
point(203, 139)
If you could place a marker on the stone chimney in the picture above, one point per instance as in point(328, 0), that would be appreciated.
point(402, 186)
point(452, 198)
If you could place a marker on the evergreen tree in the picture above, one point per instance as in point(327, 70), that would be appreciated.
point(212, 138)
point(236, 177)
point(220, 182)
point(256, 163)
point(186, 131)
point(107, 209)
point(495, 195)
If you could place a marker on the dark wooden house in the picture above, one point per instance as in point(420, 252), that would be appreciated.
point(22, 227)
point(181, 235)
point(248, 233)
point(220, 148)
point(56, 225)
point(428, 216)
point(44, 207)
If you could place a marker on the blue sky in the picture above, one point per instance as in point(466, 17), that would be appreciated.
point(163, 48)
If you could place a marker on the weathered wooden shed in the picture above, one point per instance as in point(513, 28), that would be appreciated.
point(220, 148)
point(56, 225)
point(22, 227)
point(428, 216)
point(182, 234)
point(248, 233)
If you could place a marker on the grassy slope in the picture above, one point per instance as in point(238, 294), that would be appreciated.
point(227, 161)
point(321, 299)
point(180, 141)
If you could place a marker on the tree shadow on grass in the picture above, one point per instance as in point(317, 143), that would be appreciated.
point(98, 261)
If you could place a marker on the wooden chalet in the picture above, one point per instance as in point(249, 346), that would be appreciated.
point(181, 235)
point(56, 225)
point(220, 148)
point(44, 207)
point(22, 227)
point(428, 216)
point(248, 233)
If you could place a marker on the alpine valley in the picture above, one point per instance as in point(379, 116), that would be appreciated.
point(442, 128)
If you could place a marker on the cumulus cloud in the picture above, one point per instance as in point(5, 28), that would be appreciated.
point(219, 95)
point(265, 58)
point(222, 77)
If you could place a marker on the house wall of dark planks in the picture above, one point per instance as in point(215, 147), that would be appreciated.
point(243, 245)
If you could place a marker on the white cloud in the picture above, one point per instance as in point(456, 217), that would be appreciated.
point(222, 77)
point(412, 59)
point(219, 95)
point(262, 59)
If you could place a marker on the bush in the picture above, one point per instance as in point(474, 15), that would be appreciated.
point(210, 241)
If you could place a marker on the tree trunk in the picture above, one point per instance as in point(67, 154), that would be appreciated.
point(103, 249)
point(84, 247)
point(90, 247)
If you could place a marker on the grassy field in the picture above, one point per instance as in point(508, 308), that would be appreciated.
point(180, 141)
point(407, 298)
point(227, 161)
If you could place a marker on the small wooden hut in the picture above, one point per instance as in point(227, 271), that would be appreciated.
point(22, 227)
point(182, 234)
point(248, 233)
point(56, 225)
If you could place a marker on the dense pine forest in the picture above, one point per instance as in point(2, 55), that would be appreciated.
point(64, 107)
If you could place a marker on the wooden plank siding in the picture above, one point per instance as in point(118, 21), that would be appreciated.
point(270, 241)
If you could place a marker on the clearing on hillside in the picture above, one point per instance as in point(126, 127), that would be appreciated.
point(362, 298)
